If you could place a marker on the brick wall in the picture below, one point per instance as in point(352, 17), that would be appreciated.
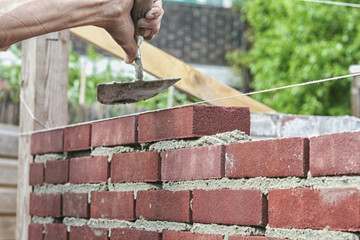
point(191, 173)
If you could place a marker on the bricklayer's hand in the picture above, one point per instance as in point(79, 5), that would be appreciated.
point(150, 25)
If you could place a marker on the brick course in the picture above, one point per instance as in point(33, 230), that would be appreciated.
point(164, 205)
point(85, 233)
point(47, 142)
point(75, 205)
point(36, 176)
point(45, 205)
point(133, 234)
point(55, 231)
point(77, 138)
point(180, 235)
point(57, 171)
point(89, 169)
point(193, 163)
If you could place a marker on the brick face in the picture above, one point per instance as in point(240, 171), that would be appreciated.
point(75, 205)
point(337, 208)
point(135, 167)
point(47, 142)
point(193, 163)
point(164, 205)
point(133, 234)
point(87, 233)
point(335, 154)
point(77, 138)
point(89, 170)
point(36, 174)
point(120, 131)
point(192, 121)
point(55, 231)
point(57, 171)
point(180, 235)
point(238, 207)
point(112, 205)
point(45, 205)
point(252, 238)
point(267, 158)
point(35, 231)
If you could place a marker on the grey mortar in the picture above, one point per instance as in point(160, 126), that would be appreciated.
point(265, 184)
point(226, 231)
point(217, 139)
point(49, 157)
point(305, 234)
point(133, 186)
point(42, 220)
point(110, 151)
point(159, 226)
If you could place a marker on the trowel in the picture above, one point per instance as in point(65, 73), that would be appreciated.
point(137, 90)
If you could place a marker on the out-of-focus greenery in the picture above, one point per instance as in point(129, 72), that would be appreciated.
point(294, 42)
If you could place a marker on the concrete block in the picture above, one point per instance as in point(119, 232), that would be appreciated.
point(164, 205)
point(268, 158)
point(193, 163)
point(218, 206)
point(112, 205)
point(135, 167)
point(335, 208)
point(192, 121)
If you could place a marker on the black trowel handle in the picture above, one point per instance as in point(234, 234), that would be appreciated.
point(139, 10)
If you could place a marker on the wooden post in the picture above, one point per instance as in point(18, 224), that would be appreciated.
point(43, 95)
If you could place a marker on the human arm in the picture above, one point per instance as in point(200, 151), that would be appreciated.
point(22, 19)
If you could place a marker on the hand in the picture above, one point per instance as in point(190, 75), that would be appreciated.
point(150, 25)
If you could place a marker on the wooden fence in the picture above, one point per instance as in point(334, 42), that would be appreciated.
point(8, 180)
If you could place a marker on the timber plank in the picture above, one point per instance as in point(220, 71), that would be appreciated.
point(7, 227)
point(163, 65)
point(9, 139)
point(8, 201)
point(8, 171)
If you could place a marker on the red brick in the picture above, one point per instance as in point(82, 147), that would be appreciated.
point(50, 141)
point(89, 169)
point(55, 231)
point(177, 235)
point(267, 158)
point(120, 131)
point(45, 205)
point(135, 167)
point(112, 205)
point(164, 205)
point(133, 234)
point(224, 206)
point(193, 163)
point(75, 205)
point(86, 233)
point(252, 238)
point(337, 208)
point(36, 174)
point(192, 121)
point(57, 171)
point(77, 138)
point(335, 154)
point(36, 231)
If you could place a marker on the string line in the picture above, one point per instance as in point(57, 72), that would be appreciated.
point(334, 3)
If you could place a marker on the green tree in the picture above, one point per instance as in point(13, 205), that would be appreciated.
point(294, 42)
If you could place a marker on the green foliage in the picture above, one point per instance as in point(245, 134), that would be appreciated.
point(294, 42)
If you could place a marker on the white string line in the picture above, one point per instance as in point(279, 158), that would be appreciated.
point(284, 87)
point(200, 102)
point(334, 3)
point(31, 113)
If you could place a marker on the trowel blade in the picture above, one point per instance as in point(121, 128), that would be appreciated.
point(130, 92)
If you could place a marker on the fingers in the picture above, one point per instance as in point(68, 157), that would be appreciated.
point(150, 25)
